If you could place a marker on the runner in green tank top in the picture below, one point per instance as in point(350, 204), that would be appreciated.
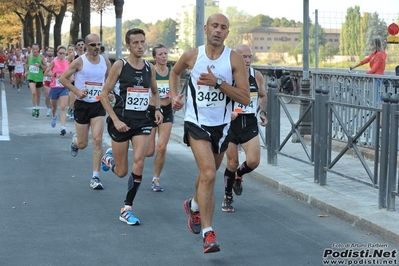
point(34, 70)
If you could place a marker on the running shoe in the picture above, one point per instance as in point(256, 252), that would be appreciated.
point(95, 183)
point(63, 132)
point(69, 111)
point(155, 186)
point(33, 112)
point(53, 121)
point(71, 116)
point(128, 217)
point(194, 218)
point(210, 243)
point(37, 112)
point(237, 187)
point(227, 205)
point(105, 160)
point(74, 149)
point(18, 90)
point(48, 112)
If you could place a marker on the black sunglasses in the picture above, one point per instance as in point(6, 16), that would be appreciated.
point(94, 44)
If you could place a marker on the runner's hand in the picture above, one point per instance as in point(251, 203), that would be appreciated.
point(177, 102)
point(120, 126)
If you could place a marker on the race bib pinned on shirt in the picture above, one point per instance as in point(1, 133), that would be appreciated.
point(93, 90)
point(137, 99)
point(208, 96)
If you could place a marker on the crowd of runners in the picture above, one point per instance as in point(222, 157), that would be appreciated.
point(134, 100)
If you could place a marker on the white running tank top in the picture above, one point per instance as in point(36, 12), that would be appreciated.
point(92, 78)
point(206, 105)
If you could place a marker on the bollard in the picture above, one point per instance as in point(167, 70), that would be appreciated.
point(316, 135)
point(324, 135)
point(273, 126)
point(305, 125)
point(382, 184)
point(393, 152)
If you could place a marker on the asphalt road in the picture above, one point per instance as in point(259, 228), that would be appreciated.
point(50, 216)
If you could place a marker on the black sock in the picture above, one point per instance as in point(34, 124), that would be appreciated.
point(243, 169)
point(132, 187)
point(229, 178)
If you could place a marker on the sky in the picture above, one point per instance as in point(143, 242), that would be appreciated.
point(331, 13)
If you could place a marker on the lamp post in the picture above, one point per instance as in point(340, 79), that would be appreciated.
point(118, 15)
point(101, 21)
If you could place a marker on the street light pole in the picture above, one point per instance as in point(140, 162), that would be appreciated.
point(118, 14)
point(101, 23)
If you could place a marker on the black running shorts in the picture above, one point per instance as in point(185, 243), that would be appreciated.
point(217, 135)
point(243, 129)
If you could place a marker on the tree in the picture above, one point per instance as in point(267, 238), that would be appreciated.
point(76, 20)
point(350, 37)
point(312, 42)
point(327, 52)
point(260, 21)
point(279, 49)
point(375, 28)
point(169, 32)
point(239, 23)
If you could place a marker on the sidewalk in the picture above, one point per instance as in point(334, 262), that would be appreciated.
point(349, 200)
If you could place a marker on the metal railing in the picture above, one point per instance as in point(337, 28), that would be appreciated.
point(344, 108)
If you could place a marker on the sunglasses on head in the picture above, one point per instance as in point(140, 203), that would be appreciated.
point(94, 44)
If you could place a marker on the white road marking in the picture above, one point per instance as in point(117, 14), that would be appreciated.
point(4, 118)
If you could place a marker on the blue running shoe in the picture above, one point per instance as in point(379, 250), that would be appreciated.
point(53, 121)
point(105, 160)
point(128, 217)
point(156, 186)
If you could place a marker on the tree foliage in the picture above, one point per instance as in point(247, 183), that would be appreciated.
point(350, 37)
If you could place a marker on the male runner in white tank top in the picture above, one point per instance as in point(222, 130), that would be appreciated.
point(90, 70)
point(207, 117)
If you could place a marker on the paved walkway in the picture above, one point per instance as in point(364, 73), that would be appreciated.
point(350, 200)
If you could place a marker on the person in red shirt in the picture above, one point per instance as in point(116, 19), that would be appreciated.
point(2, 64)
point(377, 58)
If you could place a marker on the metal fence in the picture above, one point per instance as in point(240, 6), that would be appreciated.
point(348, 109)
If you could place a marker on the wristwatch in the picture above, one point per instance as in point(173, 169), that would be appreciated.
point(159, 109)
point(218, 83)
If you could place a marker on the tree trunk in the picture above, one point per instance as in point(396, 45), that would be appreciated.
point(85, 18)
point(46, 29)
point(28, 32)
point(38, 29)
point(75, 22)
point(59, 18)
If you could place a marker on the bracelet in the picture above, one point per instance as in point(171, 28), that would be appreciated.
point(262, 111)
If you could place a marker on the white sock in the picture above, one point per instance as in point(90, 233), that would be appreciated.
point(154, 178)
point(205, 230)
point(194, 206)
point(96, 174)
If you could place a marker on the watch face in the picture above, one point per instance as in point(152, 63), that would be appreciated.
point(219, 81)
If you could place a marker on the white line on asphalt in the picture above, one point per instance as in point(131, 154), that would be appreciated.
point(4, 116)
